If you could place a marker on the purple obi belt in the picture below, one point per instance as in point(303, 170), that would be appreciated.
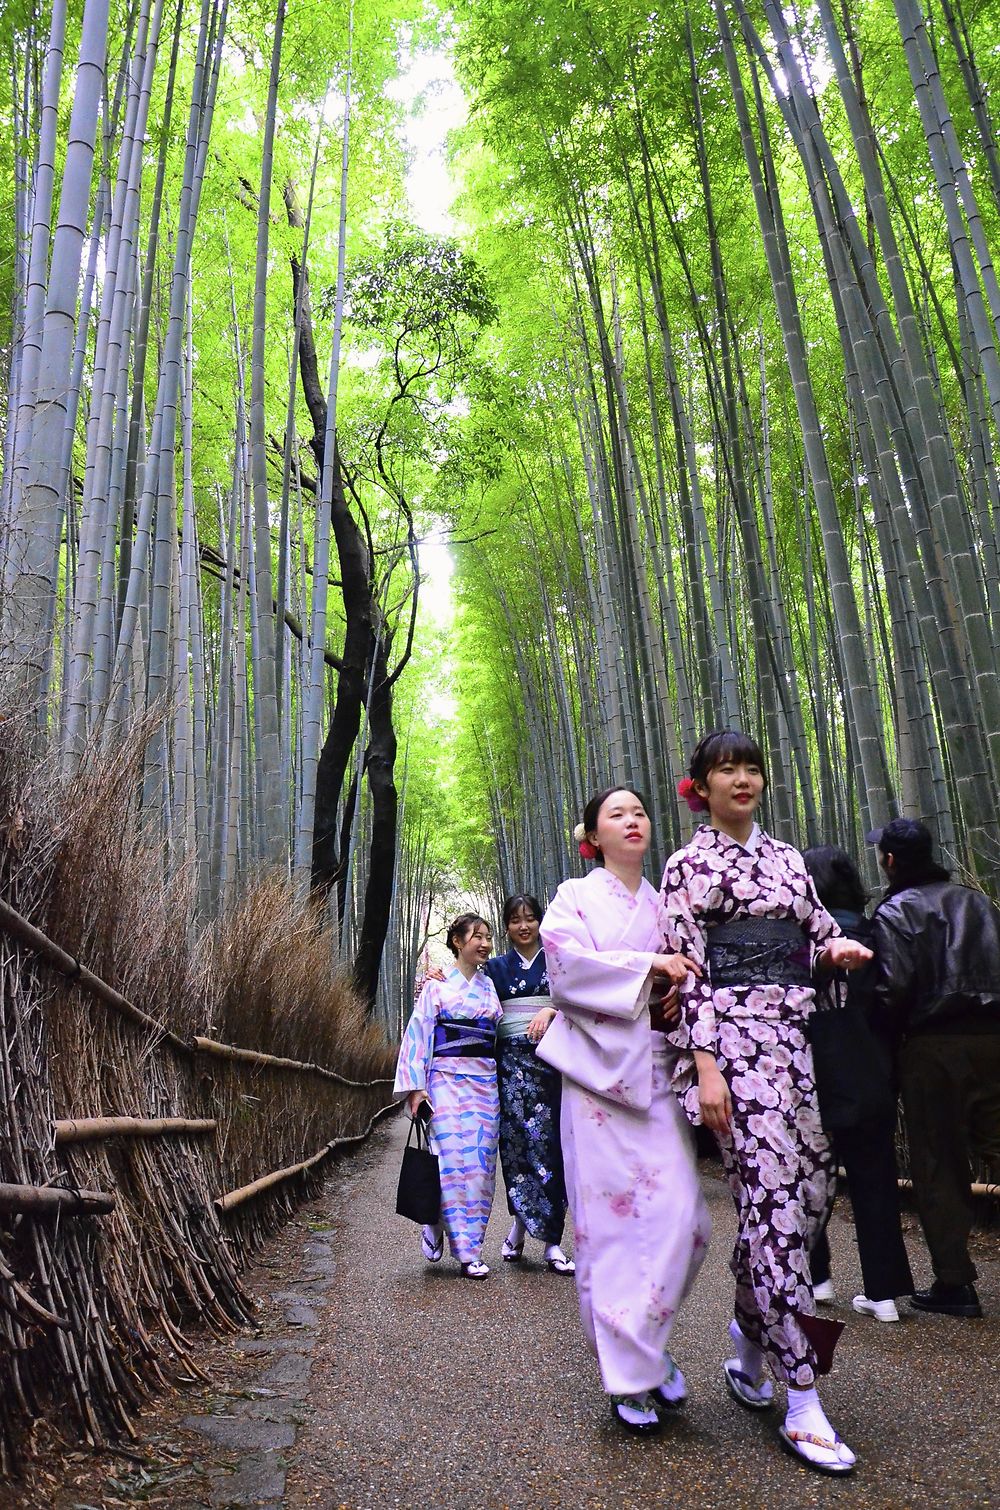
point(465, 1038)
point(753, 951)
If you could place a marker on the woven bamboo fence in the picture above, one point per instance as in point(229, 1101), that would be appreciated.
point(168, 1095)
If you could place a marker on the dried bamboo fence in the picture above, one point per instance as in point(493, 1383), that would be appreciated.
point(145, 1150)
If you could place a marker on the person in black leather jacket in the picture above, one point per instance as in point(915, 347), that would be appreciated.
point(937, 948)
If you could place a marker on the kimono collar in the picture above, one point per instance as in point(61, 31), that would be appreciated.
point(527, 963)
point(753, 840)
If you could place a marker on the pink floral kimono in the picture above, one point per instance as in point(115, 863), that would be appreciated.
point(640, 1220)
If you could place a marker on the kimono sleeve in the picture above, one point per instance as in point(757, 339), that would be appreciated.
point(684, 934)
point(417, 1047)
point(818, 923)
point(583, 978)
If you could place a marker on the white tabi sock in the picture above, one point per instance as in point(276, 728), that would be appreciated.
point(805, 1413)
point(517, 1233)
point(751, 1357)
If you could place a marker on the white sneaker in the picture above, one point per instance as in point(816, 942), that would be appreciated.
point(824, 1294)
point(882, 1310)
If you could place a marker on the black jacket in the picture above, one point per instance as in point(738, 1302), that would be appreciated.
point(937, 950)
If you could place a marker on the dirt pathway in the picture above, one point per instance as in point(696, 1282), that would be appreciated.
point(377, 1381)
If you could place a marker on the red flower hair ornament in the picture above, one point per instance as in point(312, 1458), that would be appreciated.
point(587, 850)
point(695, 801)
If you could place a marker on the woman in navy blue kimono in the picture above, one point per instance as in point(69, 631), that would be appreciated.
point(530, 1091)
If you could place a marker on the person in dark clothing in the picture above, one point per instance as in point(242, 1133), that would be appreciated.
point(867, 1149)
point(937, 948)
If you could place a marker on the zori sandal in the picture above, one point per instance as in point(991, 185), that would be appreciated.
point(511, 1253)
point(476, 1270)
point(636, 1413)
point(753, 1394)
point(430, 1246)
point(557, 1261)
point(798, 1443)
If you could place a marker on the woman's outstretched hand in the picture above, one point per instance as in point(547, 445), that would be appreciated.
point(844, 954)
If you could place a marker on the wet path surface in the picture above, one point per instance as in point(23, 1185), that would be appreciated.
point(378, 1380)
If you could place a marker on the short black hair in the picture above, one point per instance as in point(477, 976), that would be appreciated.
point(515, 903)
point(459, 930)
point(720, 745)
point(835, 876)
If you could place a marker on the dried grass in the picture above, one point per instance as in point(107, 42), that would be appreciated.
point(74, 859)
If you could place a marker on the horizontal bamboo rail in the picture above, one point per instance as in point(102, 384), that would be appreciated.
point(276, 1062)
point(47, 1200)
point(234, 1198)
point(977, 1187)
point(18, 927)
point(97, 1129)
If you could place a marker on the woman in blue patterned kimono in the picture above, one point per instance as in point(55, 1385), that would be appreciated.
point(448, 1058)
point(530, 1091)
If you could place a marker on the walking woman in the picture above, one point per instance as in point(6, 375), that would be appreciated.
point(866, 1147)
point(640, 1221)
point(530, 1148)
point(743, 906)
point(448, 1058)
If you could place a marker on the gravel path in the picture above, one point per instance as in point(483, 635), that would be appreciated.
point(430, 1390)
point(374, 1380)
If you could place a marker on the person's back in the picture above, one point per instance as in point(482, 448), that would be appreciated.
point(938, 949)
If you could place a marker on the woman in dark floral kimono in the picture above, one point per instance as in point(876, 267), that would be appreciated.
point(530, 1090)
point(743, 906)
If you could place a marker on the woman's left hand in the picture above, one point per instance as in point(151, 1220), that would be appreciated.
point(844, 954)
point(538, 1024)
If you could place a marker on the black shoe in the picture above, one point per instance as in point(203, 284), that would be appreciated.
point(948, 1300)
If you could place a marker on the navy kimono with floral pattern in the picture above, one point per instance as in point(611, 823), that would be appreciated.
point(530, 1092)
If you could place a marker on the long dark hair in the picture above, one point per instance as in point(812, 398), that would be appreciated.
point(514, 904)
point(720, 745)
point(592, 811)
point(459, 930)
point(835, 876)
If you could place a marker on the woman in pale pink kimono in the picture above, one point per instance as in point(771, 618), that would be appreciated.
point(641, 1225)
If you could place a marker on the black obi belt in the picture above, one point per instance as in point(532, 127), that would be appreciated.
point(759, 952)
point(465, 1038)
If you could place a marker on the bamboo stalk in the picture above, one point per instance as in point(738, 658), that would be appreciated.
point(277, 1062)
point(234, 1198)
point(97, 1129)
point(45, 1200)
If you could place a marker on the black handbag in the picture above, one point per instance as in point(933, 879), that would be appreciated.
point(418, 1194)
point(852, 1065)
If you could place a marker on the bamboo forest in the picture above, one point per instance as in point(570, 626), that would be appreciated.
point(699, 394)
point(415, 419)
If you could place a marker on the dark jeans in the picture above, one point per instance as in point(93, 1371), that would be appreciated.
point(951, 1099)
point(868, 1156)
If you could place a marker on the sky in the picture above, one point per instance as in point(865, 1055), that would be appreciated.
point(434, 104)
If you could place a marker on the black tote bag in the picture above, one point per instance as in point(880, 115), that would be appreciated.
point(418, 1194)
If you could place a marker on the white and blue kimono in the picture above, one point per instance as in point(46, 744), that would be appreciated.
point(530, 1093)
point(448, 1050)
